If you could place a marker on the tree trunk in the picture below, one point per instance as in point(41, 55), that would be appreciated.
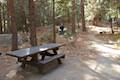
point(0, 20)
point(8, 19)
point(49, 15)
point(44, 12)
point(111, 25)
point(68, 15)
point(4, 26)
point(83, 16)
point(23, 16)
point(13, 28)
point(54, 29)
point(97, 20)
point(73, 15)
point(33, 39)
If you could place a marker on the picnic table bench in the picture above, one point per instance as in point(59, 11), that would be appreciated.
point(44, 56)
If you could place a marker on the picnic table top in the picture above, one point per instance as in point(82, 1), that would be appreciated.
point(33, 50)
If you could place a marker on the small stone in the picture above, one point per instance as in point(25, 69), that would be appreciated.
point(11, 74)
point(14, 75)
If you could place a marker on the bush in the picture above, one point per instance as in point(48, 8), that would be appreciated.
point(116, 37)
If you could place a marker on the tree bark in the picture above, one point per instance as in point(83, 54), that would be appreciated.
point(33, 39)
point(8, 19)
point(13, 28)
point(83, 16)
point(73, 15)
point(54, 29)
point(23, 16)
point(111, 25)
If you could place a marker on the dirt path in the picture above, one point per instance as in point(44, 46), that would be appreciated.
point(86, 62)
point(88, 58)
point(106, 64)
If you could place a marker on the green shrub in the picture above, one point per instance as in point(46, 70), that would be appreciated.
point(116, 37)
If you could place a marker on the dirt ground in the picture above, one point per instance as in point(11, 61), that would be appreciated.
point(88, 57)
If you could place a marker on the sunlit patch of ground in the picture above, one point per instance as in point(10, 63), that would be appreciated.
point(106, 49)
point(104, 44)
point(99, 29)
point(106, 63)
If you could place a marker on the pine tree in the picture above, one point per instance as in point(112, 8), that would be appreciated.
point(83, 16)
point(73, 15)
point(54, 29)
point(33, 39)
point(13, 29)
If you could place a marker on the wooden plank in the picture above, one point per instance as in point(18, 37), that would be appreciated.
point(51, 59)
point(49, 63)
point(48, 67)
point(33, 50)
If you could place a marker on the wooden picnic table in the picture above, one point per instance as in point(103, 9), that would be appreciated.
point(42, 50)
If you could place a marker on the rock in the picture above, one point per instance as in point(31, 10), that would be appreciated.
point(11, 74)
point(14, 75)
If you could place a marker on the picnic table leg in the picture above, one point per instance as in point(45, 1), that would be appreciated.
point(34, 57)
point(23, 60)
point(59, 61)
point(23, 65)
point(55, 52)
point(43, 57)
